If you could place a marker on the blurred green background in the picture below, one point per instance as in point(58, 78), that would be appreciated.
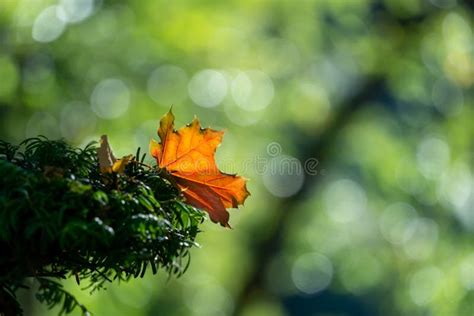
point(353, 120)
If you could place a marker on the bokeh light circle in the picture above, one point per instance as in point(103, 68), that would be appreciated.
point(208, 88)
point(252, 90)
point(348, 208)
point(48, 26)
point(77, 121)
point(360, 270)
point(110, 98)
point(283, 176)
point(204, 296)
point(432, 156)
point(447, 97)
point(395, 221)
point(420, 238)
point(423, 285)
point(74, 11)
point(167, 85)
point(241, 117)
point(466, 273)
point(312, 273)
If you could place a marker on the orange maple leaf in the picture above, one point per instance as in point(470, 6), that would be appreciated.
point(187, 155)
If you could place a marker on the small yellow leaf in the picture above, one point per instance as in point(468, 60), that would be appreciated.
point(107, 161)
point(120, 164)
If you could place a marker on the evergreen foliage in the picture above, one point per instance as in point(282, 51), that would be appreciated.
point(61, 217)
